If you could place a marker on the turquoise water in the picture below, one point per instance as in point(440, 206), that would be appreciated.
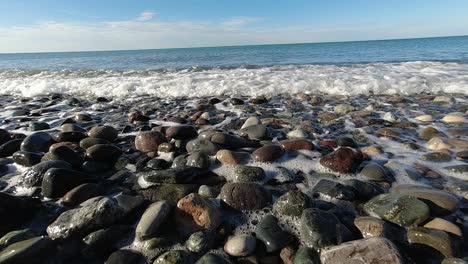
point(445, 49)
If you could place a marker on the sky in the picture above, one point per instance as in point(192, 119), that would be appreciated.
point(72, 25)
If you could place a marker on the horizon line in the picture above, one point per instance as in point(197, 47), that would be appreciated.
point(227, 46)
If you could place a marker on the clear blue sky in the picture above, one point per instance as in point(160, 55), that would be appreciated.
point(62, 25)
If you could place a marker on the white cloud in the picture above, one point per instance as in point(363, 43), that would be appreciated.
point(236, 22)
point(145, 16)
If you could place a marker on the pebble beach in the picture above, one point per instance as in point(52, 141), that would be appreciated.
point(292, 178)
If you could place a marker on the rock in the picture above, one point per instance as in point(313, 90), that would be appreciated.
point(95, 167)
point(169, 192)
point(364, 190)
point(181, 132)
point(93, 215)
point(268, 153)
point(388, 132)
point(72, 128)
point(89, 142)
point(287, 255)
point(390, 117)
point(453, 261)
point(305, 255)
point(199, 160)
point(333, 189)
point(429, 132)
point(257, 132)
point(297, 134)
point(458, 168)
point(148, 141)
point(202, 146)
point(198, 242)
point(375, 227)
point(103, 152)
point(158, 164)
point(137, 116)
point(370, 250)
point(271, 234)
point(297, 144)
point(37, 142)
point(172, 175)
point(208, 191)
point(229, 157)
point(65, 154)
point(462, 155)
point(105, 132)
point(80, 194)
point(211, 258)
point(444, 225)
point(251, 121)
point(15, 236)
point(34, 175)
point(4, 136)
point(229, 141)
point(343, 109)
point(33, 250)
point(344, 160)
point(374, 172)
point(439, 202)
point(321, 228)
point(403, 210)
point(454, 118)
point(173, 257)
point(26, 158)
point(8, 148)
point(73, 136)
point(166, 147)
point(346, 142)
point(152, 219)
point(58, 182)
point(240, 245)
point(437, 239)
point(424, 118)
point(124, 256)
point(291, 203)
point(15, 211)
point(436, 157)
point(243, 173)
point(71, 145)
point(439, 143)
point(37, 126)
point(194, 213)
point(245, 196)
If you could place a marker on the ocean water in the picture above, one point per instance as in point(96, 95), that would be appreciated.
point(408, 66)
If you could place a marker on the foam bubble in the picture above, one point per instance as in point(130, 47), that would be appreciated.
point(379, 78)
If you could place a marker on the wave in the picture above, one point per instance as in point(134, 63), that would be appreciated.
point(346, 79)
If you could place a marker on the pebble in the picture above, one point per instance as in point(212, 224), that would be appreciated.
point(343, 109)
point(436, 157)
point(57, 181)
point(403, 210)
point(198, 242)
point(297, 134)
point(444, 225)
point(26, 158)
point(37, 142)
point(271, 234)
point(148, 141)
point(195, 212)
point(454, 118)
point(248, 173)
point(268, 153)
point(240, 245)
point(375, 172)
point(103, 152)
point(245, 196)
point(437, 239)
point(369, 250)
point(424, 118)
point(199, 160)
point(229, 157)
point(105, 132)
point(31, 250)
point(202, 146)
point(333, 189)
point(124, 256)
point(181, 132)
point(251, 121)
point(211, 258)
point(257, 132)
point(297, 144)
point(344, 160)
point(305, 255)
point(291, 203)
point(152, 219)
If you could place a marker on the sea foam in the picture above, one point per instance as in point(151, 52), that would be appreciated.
point(378, 78)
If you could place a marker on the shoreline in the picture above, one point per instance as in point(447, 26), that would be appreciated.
point(152, 172)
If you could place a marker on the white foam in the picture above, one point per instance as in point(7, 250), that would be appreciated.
point(380, 78)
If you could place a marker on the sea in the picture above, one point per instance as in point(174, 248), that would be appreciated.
point(403, 66)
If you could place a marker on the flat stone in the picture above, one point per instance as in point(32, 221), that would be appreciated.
point(297, 144)
point(437, 239)
point(403, 210)
point(454, 118)
point(152, 219)
point(440, 202)
point(424, 118)
point(321, 228)
point(444, 225)
point(240, 245)
point(370, 250)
